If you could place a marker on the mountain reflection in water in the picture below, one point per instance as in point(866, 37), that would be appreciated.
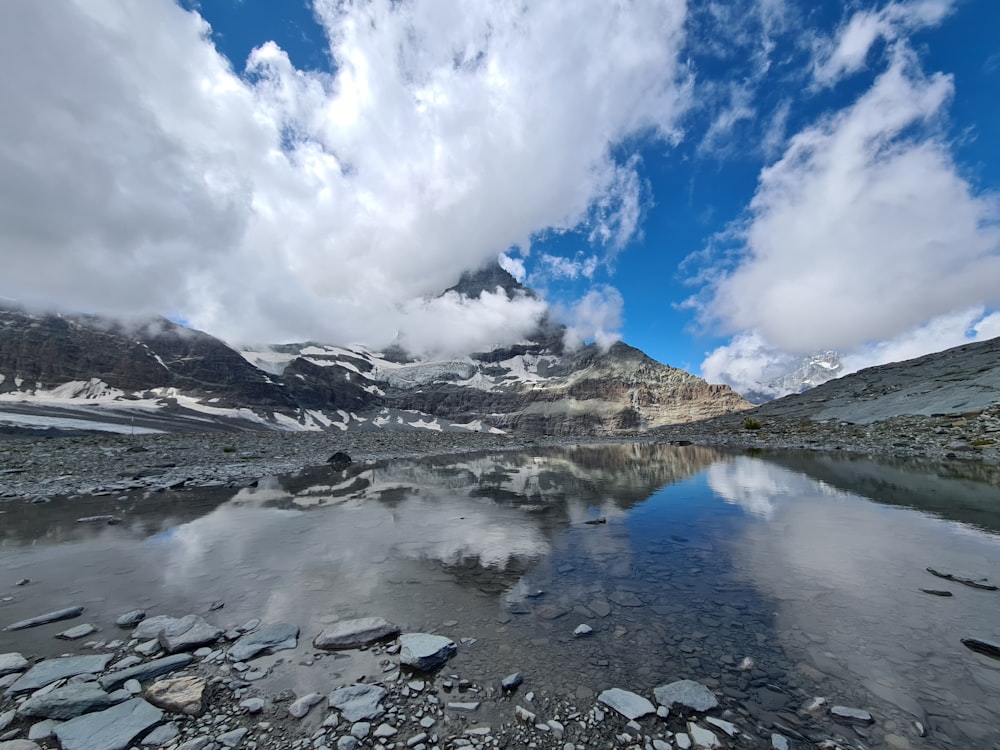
point(705, 558)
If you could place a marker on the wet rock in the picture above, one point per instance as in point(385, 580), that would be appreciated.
point(131, 619)
point(976, 583)
point(511, 681)
point(111, 729)
point(355, 633)
point(628, 704)
point(152, 627)
point(937, 592)
point(550, 611)
point(180, 695)
point(599, 607)
point(12, 662)
point(146, 671)
point(702, 737)
point(188, 633)
point(66, 702)
point(990, 648)
point(357, 702)
point(197, 743)
point(60, 614)
point(278, 637)
point(77, 632)
point(424, 652)
point(625, 599)
point(301, 707)
point(849, 715)
point(50, 670)
point(687, 693)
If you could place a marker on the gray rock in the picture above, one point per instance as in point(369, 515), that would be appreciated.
point(152, 627)
point(424, 652)
point(198, 743)
point(161, 735)
point(131, 619)
point(77, 632)
point(599, 607)
point(42, 730)
point(111, 729)
point(12, 662)
point(990, 648)
point(625, 599)
point(463, 706)
point(181, 695)
point(701, 737)
point(779, 742)
point(147, 671)
point(253, 705)
point(629, 705)
point(233, 738)
point(347, 742)
point(278, 637)
point(66, 702)
point(355, 633)
point(187, 634)
point(59, 614)
point(851, 715)
point(687, 693)
point(19, 745)
point(50, 670)
point(384, 731)
point(582, 630)
point(357, 702)
point(6, 718)
point(511, 681)
point(361, 729)
point(301, 707)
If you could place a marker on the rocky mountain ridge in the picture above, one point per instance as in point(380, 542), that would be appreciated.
point(86, 372)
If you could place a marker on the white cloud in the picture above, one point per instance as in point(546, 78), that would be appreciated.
point(560, 267)
point(863, 230)
point(513, 266)
point(142, 174)
point(848, 53)
point(747, 363)
point(596, 317)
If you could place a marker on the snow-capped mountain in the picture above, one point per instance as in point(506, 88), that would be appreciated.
point(82, 371)
point(808, 373)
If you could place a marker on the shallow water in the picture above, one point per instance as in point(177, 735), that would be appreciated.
point(812, 567)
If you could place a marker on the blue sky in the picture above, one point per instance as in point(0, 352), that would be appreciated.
point(728, 186)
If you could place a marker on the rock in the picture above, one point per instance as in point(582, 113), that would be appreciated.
point(232, 738)
point(131, 619)
point(361, 729)
point(725, 726)
point(851, 715)
point(355, 633)
point(12, 662)
point(463, 706)
point(180, 695)
point(60, 614)
point(188, 633)
point(687, 693)
point(77, 632)
point(19, 745)
point(701, 737)
point(937, 592)
point(300, 707)
point(50, 670)
point(111, 729)
point(625, 599)
point(6, 718)
point(990, 648)
point(383, 731)
point(161, 735)
point(42, 730)
point(629, 705)
point(339, 461)
point(357, 702)
point(550, 611)
point(146, 671)
point(66, 702)
point(109, 520)
point(582, 630)
point(682, 740)
point(523, 714)
point(599, 607)
point(976, 583)
point(424, 652)
point(779, 742)
point(253, 705)
point(278, 637)
point(347, 742)
point(511, 681)
point(198, 743)
point(152, 627)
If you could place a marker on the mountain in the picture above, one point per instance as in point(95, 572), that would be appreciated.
point(86, 372)
point(807, 373)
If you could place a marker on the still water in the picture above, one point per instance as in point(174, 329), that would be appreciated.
point(811, 566)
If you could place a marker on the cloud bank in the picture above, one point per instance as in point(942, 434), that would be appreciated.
point(141, 172)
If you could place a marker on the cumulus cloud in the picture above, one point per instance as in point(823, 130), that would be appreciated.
point(863, 230)
point(848, 52)
point(144, 174)
point(596, 317)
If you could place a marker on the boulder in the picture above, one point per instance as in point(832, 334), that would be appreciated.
point(179, 695)
point(187, 634)
point(12, 662)
point(355, 633)
point(424, 652)
point(357, 702)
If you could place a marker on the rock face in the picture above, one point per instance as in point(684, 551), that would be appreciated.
point(355, 633)
point(538, 385)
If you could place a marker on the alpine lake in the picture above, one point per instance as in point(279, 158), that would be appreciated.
point(773, 580)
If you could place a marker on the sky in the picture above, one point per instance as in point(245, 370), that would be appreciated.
point(728, 185)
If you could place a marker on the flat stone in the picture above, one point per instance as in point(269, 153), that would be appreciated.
point(301, 706)
point(625, 599)
point(6, 718)
point(599, 607)
point(687, 693)
point(424, 652)
point(50, 670)
point(60, 614)
point(77, 632)
point(682, 740)
point(131, 619)
point(727, 727)
point(146, 671)
point(152, 627)
point(355, 633)
point(851, 715)
point(983, 646)
point(12, 662)
point(111, 729)
point(463, 706)
point(779, 742)
point(701, 737)
point(278, 637)
point(628, 704)
point(179, 695)
point(187, 634)
point(42, 729)
point(198, 743)
point(357, 702)
point(66, 702)
point(161, 735)
point(19, 745)
point(232, 738)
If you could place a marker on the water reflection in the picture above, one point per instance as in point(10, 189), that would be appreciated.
point(703, 559)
